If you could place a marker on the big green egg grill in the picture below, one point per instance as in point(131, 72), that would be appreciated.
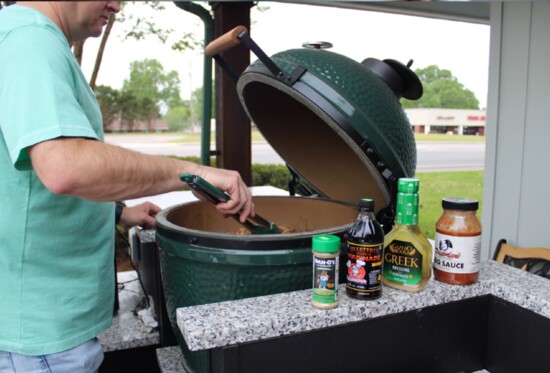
point(343, 133)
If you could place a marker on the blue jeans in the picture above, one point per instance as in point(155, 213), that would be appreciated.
point(85, 358)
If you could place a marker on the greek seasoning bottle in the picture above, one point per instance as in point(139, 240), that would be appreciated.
point(326, 255)
point(365, 242)
point(458, 242)
point(407, 252)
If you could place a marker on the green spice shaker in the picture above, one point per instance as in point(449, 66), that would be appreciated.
point(326, 260)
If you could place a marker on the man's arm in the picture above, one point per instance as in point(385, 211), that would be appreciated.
point(97, 171)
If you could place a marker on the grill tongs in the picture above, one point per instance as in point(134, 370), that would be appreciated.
point(256, 224)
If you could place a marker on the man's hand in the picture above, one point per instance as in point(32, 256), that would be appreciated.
point(142, 215)
point(231, 183)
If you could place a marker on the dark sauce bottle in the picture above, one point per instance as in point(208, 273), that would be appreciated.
point(365, 244)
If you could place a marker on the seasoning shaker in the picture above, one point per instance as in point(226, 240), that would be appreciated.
point(326, 259)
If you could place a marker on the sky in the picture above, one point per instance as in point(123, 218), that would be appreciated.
point(461, 47)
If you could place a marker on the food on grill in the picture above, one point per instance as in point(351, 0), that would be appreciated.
point(283, 230)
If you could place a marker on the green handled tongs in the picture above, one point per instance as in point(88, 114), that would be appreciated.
point(256, 225)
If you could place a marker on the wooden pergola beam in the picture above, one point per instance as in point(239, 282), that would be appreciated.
point(233, 137)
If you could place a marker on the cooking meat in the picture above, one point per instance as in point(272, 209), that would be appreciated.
point(283, 230)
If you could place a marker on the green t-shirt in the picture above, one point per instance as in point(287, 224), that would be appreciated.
point(56, 251)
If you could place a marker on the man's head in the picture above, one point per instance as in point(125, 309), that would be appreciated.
point(77, 19)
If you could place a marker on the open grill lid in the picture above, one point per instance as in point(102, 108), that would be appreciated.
point(337, 123)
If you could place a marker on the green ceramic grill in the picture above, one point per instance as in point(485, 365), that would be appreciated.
point(338, 123)
point(340, 128)
point(203, 261)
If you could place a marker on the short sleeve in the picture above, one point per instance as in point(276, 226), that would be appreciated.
point(43, 94)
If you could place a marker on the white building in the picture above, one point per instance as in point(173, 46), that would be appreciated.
point(451, 121)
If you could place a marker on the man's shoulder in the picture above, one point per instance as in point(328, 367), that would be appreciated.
point(16, 16)
point(26, 27)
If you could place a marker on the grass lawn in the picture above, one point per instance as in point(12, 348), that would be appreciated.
point(441, 137)
point(434, 186)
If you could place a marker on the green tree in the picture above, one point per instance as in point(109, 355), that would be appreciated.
point(178, 118)
point(109, 101)
point(138, 28)
point(148, 110)
point(195, 105)
point(442, 90)
point(129, 108)
point(152, 86)
point(123, 105)
point(141, 28)
point(196, 101)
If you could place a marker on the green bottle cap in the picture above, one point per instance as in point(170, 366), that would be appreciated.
point(407, 201)
point(408, 185)
point(326, 243)
point(367, 203)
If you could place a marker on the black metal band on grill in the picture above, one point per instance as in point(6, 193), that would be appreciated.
point(239, 242)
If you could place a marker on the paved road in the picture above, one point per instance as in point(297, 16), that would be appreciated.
point(431, 156)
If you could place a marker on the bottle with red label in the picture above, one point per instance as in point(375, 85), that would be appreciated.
point(365, 243)
point(458, 242)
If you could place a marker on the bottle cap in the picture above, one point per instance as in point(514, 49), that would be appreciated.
point(407, 185)
point(460, 203)
point(367, 203)
point(407, 209)
point(326, 243)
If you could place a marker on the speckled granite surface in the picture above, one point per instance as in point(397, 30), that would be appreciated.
point(170, 360)
point(147, 235)
point(271, 316)
point(129, 330)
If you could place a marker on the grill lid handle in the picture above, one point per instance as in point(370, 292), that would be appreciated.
point(227, 41)
point(233, 38)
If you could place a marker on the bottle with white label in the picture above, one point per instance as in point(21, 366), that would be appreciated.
point(458, 242)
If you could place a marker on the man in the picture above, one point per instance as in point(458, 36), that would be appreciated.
point(58, 181)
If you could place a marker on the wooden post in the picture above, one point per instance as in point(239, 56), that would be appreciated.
point(233, 137)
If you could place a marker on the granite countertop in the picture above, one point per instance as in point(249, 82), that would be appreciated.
point(264, 317)
point(133, 325)
point(170, 360)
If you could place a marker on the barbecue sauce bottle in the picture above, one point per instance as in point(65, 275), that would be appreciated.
point(458, 242)
point(407, 252)
point(365, 243)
